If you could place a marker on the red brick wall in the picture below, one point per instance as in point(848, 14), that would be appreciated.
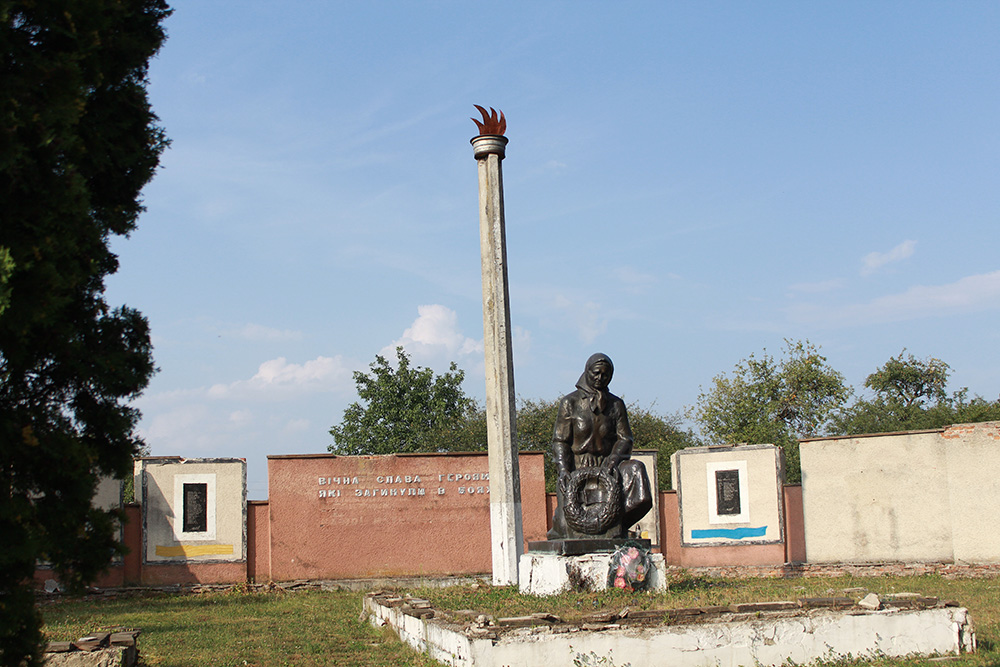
point(258, 541)
point(710, 556)
point(364, 516)
point(795, 531)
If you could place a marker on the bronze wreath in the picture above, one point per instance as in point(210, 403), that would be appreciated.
point(597, 518)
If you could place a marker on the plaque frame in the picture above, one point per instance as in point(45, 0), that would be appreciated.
point(180, 482)
point(740, 468)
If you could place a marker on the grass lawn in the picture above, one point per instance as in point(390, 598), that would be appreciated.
point(323, 628)
point(238, 629)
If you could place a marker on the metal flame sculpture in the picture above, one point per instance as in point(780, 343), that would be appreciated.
point(492, 124)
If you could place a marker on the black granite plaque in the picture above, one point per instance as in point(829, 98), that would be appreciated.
point(195, 508)
point(727, 492)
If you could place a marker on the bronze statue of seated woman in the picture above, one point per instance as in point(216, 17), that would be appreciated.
point(601, 492)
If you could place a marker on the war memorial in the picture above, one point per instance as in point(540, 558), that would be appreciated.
point(441, 516)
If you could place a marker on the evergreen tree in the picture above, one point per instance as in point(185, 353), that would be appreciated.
point(78, 141)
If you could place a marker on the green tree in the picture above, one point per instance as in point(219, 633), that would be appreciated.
point(406, 409)
point(78, 141)
point(663, 433)
point(773, 402)
point(910, 394)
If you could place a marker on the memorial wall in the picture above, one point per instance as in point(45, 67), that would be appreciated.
point(730, 504)
point(364, 516)
point(193, 510)
point(907, 497)
point(920, 496)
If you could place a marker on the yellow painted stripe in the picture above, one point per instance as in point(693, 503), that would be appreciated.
point(195, 550)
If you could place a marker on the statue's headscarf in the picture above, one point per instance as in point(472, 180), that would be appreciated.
point(598, 397)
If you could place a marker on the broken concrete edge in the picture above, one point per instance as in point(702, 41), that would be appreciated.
point(110, 656)
point(95, 641)
point(734, 638)
point(421, 608)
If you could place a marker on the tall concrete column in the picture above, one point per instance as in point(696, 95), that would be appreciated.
point(507, 532)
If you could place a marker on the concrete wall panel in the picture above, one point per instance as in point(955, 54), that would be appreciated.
point(168, 535)
point(754, 474)
point(973, 455)
point(876, 498)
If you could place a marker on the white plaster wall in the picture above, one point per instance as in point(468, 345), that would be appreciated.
point(763, 491)
point(973, 455)
point(226, 543)
point(876, 498)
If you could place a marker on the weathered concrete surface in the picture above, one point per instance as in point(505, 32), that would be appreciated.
point(917, 496)
point(506, 530)
point(551, 574)
point(112, 656)
point(729, 641)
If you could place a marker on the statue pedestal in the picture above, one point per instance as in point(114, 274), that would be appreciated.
point(580, 546)
point(551, 572)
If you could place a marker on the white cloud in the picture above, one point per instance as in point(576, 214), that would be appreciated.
point(521, 339)
point(435, 333)
point(568, 311)
point(586, 317)
point(278, 377)
point(874, 261)
point(241, 417)
point(970, 294)
point(172, 424)
point(193, 430)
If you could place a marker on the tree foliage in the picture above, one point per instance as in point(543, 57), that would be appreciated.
point(664, 433)
point(774, 402)
point(911, 394)
point(403, 409)
point(411, 410)
point(800, 396)
point(78, 141)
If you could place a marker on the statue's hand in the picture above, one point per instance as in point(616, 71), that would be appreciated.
point(611, 462)
point(563, 481)
point(589, 461)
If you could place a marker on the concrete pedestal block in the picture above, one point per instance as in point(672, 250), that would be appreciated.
point(551, 574)
point(734, 640)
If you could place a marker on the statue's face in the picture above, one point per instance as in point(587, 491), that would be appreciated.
point(599, 375)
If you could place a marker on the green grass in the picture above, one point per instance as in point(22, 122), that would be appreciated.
point(323, 628)
point(239, 629)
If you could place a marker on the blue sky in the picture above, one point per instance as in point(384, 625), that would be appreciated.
point(686, 183)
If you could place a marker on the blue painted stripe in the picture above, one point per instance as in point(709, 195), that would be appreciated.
point(731, 533)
